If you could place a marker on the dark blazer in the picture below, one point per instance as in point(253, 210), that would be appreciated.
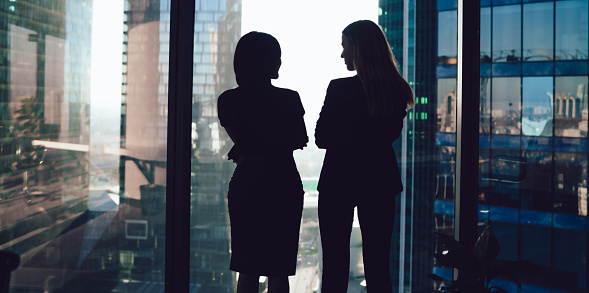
point(360, 156)
point(266, 120)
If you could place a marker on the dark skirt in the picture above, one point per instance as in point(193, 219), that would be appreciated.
point(265, 206)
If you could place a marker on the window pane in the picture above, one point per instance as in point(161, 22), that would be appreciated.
point(447, 37)
point(537, 106)
point(485, 35)
point(83, 145)
point(537, 33)
point(571, 30)
point(570, 184)
point(506, 35)
point(570, 106)
point(447, 105)
point(535, 192)
point(535, 177)
point(217, 29)
point(506, 106)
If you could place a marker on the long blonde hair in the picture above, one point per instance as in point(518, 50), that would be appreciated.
point(377, 68)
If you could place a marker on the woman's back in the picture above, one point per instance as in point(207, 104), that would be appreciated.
point(359, 146)
point(265, 119)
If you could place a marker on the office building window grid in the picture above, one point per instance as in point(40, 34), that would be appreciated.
point(533, 132)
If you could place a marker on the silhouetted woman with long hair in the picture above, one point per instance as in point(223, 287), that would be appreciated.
point(265, 194)
point(361, 117)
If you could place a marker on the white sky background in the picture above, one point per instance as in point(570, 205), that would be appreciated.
point(309, 33)
point(107, 63)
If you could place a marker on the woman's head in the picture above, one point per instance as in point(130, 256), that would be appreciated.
point(366, 44)
point(256, 59)
point(366, 50)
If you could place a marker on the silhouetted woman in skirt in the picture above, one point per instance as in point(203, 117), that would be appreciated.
point(265, 195)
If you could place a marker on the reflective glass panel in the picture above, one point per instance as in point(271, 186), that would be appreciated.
point(217, 28)
point(571, 30)
point(447, 37)
point(485, 35)
point(506, 105)
point(570, 106)
point(537, 31)
point(506, 35)
point(447, 105)
point(571, 183)
point(83, 133)
point(537, 106)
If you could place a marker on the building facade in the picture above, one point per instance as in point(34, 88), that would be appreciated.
point(533, 135)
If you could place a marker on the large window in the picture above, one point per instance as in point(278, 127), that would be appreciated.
point(533, 165)
point(83, 144)
point(85, 110)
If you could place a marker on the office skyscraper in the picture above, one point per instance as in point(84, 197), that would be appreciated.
point(533, 134)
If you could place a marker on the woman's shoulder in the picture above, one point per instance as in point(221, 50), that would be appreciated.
point(346, 80)
point(227, 95)
point(285, 92)
point(345, 83)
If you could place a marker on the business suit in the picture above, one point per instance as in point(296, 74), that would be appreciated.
point(265, 196)
point(359, 170)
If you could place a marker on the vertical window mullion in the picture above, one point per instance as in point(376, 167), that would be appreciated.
point(467, 130)
point(177, 253)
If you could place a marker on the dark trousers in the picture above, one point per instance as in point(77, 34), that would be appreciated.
point(336, 214)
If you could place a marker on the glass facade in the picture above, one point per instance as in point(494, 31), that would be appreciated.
point(532, 156)
point(217, 28)
point(83, 145)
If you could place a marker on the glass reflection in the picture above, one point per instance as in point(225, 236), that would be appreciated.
point(447, 37)
point(506, 172)
point(446, 105)
point(485, 106)
point(485, 34)
point(82, 182)
point(217, 29)
point(571, 183)
point(506, 106)
point(571, 30)
point(506, 35)
point(537, 106)
point(570, 106)
point(536, 184)
point(570, 259)
point(537, 31)
point(446, 172)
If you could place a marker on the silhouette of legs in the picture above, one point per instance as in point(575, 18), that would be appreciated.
point(248, 283)
point(376, 224)
point(335, 225)
point(278, 285)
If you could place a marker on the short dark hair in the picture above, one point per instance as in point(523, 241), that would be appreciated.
point(256, 58)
